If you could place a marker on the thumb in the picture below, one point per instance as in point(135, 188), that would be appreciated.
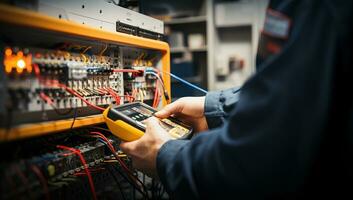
point(127, 147)
point(154, 129)
point(173, 108)
point(152, 122)
point(124, 146)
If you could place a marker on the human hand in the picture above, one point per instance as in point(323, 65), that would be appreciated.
point(143, 151)
point(187, 109)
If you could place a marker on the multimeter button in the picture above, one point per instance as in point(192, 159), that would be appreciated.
point(133, 118)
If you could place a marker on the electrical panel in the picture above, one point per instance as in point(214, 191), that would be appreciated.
point(56, 78)
point(52, 81)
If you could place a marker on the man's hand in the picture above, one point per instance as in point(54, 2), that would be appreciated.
point(188, 109)
point(144, 150)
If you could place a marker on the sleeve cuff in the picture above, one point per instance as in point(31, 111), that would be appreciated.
point(166, 155)
point(213, 109)
point(219, 104)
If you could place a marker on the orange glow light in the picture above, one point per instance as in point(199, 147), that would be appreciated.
point(19, 53)
point(8, 52)
point(21, 64)
point(18, 61)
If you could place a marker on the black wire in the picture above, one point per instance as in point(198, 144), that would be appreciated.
point(9, 123)
point(73, 121)
point(153, 189)
point(144, 192)
point(129, 181)
point(117, 182)
point(161, 191)
point(142, 184)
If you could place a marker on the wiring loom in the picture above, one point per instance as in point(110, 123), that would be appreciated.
point(136, 182)
point(82, 159)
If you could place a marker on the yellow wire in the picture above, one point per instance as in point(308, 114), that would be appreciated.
point(138, 59)
point(84, 57)
point(68, 55)
point(87, 48)
point(76, 47)
point(144, 56)
point(141, 95)
point(104, 49)
point(140, 56)
point(152, 59)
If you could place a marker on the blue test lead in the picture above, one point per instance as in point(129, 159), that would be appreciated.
point(186, 82)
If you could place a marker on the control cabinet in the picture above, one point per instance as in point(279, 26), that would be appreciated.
point(57, 77)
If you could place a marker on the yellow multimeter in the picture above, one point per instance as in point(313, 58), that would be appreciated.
point(127, 122)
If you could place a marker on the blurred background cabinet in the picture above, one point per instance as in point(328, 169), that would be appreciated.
point(213, 42)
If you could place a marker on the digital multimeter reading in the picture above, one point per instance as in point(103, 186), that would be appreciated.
point(127, 122)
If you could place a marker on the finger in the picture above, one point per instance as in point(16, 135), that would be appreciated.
point(153, 125)
point(152, 121)
point(127, 147)
point(124, 146)
point(173, 108)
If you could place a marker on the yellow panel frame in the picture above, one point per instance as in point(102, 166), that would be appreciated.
point(32, 20)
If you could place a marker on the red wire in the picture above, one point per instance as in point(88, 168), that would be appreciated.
point(24, 181)
point(155, 96)
point(83, 161)
point(100, 91)
point(42, 180)
point(112, 148)
point(114, 95)
point(131, 98)
point(46, 98)
point(83, 99)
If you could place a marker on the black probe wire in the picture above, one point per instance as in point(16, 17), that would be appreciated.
point(144, 194)
point(131, 183)
point(74, 118)
point(117, 182)
point(142, 184)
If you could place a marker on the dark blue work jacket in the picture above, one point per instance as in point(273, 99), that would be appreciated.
point(290, 134)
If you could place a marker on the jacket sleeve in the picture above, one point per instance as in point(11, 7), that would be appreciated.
point(271, 139)
point(218, 105)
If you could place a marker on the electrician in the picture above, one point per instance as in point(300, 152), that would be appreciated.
point(287, 134)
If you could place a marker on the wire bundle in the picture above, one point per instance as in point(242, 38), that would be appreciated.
point(83, 161)
point(158, 93)
point(136, 182)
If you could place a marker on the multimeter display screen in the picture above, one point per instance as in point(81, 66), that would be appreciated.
point(139, 113)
